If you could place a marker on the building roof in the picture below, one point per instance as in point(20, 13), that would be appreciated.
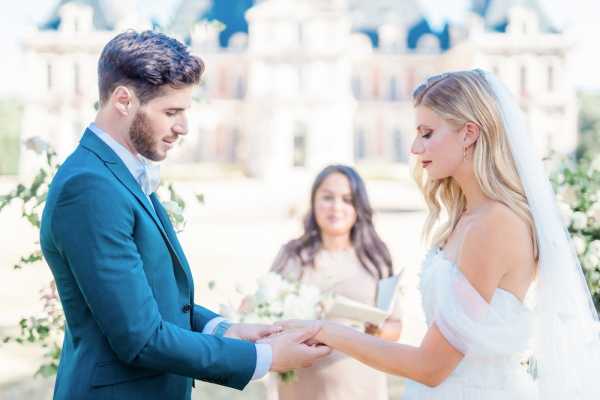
point(102, 15)
point(366, 17)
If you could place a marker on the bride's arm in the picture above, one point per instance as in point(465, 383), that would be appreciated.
point(491, 246)
point(430, 363)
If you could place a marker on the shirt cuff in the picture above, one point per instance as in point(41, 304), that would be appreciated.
point(264, 359)
point(210, 326)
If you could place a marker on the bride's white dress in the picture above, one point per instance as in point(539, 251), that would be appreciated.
point(493, 336)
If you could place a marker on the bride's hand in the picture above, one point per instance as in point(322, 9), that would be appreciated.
point(315, 325)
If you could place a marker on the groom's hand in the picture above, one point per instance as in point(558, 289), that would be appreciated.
point(290, 350)
point(251, 332)
point(315, 325)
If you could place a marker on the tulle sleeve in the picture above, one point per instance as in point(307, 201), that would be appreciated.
point(474, 326)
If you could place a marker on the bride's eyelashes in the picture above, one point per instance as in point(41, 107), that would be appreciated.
point(427, 134)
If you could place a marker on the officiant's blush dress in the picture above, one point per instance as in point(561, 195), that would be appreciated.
point(494, 337)
point(337, 377)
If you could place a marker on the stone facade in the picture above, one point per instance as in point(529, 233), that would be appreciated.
point(305, 86)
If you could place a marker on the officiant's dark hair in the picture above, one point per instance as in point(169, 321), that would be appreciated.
point(146, 62)
point(371, 251)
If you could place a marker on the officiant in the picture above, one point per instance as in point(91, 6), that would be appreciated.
point(341, 253)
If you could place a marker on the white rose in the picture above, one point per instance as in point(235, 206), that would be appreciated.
point(595, 165)
point(296, 308)
point(172, 207)
point(569, 195)
point(276, 307)
point(566, 212)
point(37, 144)
point(270, 286)
point(594, 248)
point(43, 188)
point(590, 262)
point(594, 212)
point(580, 244)
point(310, 294)
point(579, 220)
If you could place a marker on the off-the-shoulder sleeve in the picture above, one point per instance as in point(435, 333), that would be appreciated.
point(474, 326)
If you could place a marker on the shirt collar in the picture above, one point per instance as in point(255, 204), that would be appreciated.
point(135, 164)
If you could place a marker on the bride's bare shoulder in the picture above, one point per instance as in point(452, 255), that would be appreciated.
point(496, 239)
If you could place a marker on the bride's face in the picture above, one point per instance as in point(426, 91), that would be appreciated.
point(438, 145)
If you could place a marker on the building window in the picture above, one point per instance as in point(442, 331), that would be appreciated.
point(77, 78)
point(360, 144)
point(240, 88)
point(375, 77)
point(234, 145)
point(400, 151)
point(222, 83)
point(523, 80)
point(357, 87)
point(49, 77)
point(550, 78)
point(393, 89)
point(300, 144)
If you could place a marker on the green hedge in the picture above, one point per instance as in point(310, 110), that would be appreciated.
point(11, 113)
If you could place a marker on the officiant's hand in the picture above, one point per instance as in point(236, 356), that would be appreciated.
point(290, 350)
point(251, 332)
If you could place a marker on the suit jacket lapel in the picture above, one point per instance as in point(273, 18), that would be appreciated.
point(120, 171)
point(166, 223)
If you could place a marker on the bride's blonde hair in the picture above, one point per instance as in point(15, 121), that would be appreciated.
point(461, 97)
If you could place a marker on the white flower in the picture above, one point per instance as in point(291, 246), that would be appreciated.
point(594, 248)
point(595, 165)
point(297, 308)
point(590, 262)
point(270, 286)
point(579, 220)
point(580, 244)
point(569, 195)
point(37, 144)
point(594, 212)
point(566, 212)
point(43, 188)
point(172, 207)
point(277, 308)
point(310, 294)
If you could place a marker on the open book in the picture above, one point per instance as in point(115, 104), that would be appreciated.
point(343, 307)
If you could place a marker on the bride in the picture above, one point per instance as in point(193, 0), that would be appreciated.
point(508, 310)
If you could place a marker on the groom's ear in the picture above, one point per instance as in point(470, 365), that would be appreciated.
point(471, 132)
point(123, 100)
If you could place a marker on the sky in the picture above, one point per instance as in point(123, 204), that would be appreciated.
point(577, 17)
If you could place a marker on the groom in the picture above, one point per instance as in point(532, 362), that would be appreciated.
point(132, 328)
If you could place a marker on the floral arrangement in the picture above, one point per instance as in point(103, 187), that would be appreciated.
point(274, 299)
point(577, 185)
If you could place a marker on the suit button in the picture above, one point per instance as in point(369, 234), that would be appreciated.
point(187, 308)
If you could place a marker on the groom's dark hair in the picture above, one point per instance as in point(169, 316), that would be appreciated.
point(145, 62)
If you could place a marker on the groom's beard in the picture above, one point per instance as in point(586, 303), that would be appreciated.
point(142, 137)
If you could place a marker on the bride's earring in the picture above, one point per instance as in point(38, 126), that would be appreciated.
point(465, 154)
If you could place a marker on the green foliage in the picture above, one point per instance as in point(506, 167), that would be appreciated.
point(589, 125)
point(47, 328)
point(578, 187)
point(10, 121)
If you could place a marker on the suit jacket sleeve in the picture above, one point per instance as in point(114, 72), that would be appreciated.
point(92, 227)
point(201, 317)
